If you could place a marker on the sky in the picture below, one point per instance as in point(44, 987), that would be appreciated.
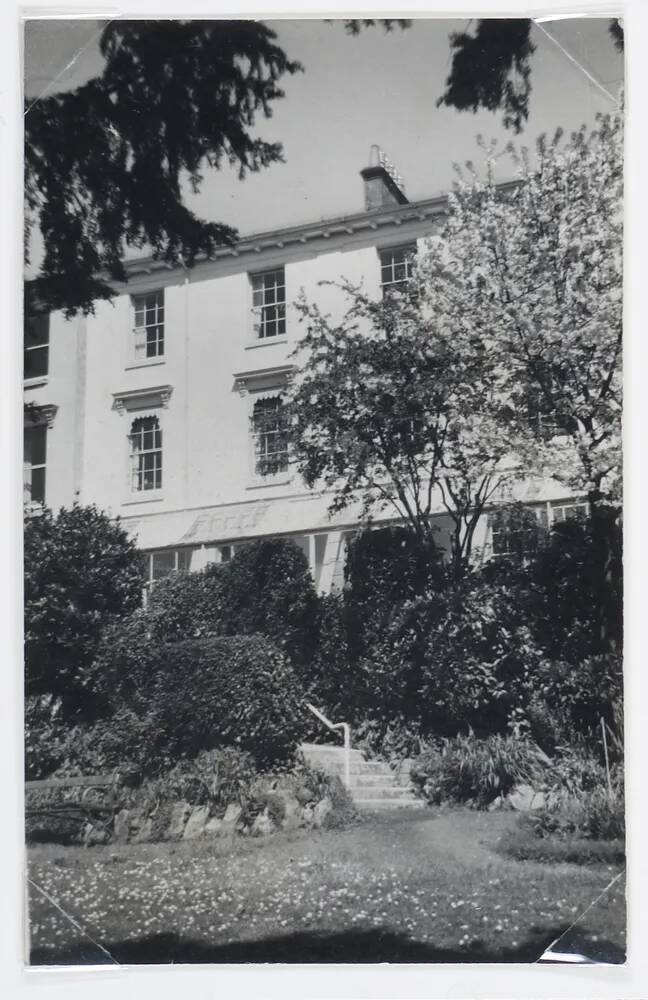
point(355, 91)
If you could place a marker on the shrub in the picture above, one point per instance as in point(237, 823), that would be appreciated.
point(185, 606)
point(473, 632)
point(45, 736)
point(81, 572)
point(236, 691)
point(344, 812)
point(583, 693)
point(476, 771)
point(384, 567)
point(593, 815)
point(579, 575)
point(267, 589)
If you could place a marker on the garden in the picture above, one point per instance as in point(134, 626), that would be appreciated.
point(218, 842)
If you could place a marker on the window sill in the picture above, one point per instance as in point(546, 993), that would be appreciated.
point(35, 382)
point(260, 482)
point(145, 363)
point(34, 508)
point(265, 342)
point(147, 496)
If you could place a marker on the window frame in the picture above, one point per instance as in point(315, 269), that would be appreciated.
point(137, 470)
point(32, 349)
point(260, 456)
point(266, 299)
point(156, 327)
point(581, 507)
point(507, 534)
point(409, 251)
point(30, 467)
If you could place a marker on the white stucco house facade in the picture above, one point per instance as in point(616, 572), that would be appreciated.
point(158, 407)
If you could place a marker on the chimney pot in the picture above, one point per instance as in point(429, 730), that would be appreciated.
point(383, 186)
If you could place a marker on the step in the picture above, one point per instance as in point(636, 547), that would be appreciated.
point(368, 779)
point(371, 805)
point(380, 792)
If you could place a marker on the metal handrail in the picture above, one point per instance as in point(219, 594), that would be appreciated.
point(346, 729)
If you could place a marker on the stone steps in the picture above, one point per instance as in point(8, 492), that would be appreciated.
point(373, 784)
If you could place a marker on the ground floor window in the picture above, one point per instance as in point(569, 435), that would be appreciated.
point(164, 562)
point(515, 531)
point(568, 511)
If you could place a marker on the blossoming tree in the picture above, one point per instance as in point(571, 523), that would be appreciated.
point(499, 359)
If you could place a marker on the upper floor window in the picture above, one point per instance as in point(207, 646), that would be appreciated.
point(396, 265)
point(270, 432)
point(35, 457)
point(146, 454)
point(149, 325)
point(269, 303)
point(36, 353)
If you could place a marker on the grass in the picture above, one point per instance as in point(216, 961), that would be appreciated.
point(522, 844)
point(410, 887)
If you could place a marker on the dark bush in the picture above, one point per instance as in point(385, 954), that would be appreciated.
point(384, 568)
point(582, 693)
point(579, 574)
point(185, 606)
point(196, 695)
point(81, 572)
point(267, 589)
point(45, 736)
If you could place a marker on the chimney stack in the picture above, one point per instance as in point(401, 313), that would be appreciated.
point(383, 185)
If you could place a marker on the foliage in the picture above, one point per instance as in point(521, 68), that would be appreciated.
point(384, 567)
point(329, 681)
point(593, 815)
point(579, 572)
point(267, 588)
point(397, 406)
point(44, 736)
point(125, 740)
point(82, 571)
point(491, 68)
point(475, 633)
point(583, 693)
point(184, 606)
point(203, 694)
point(216, 777)
point(344, 812)
point(533, 272)
point(105, 162)
point(467, 769)
point(393, 740)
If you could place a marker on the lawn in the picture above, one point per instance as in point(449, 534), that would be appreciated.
point(410, 887)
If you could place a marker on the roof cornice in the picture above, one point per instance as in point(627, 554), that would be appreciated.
point(248, 246)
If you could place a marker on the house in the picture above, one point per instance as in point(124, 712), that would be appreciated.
point(165, 407)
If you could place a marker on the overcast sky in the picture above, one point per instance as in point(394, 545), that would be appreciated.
point(355, 91)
